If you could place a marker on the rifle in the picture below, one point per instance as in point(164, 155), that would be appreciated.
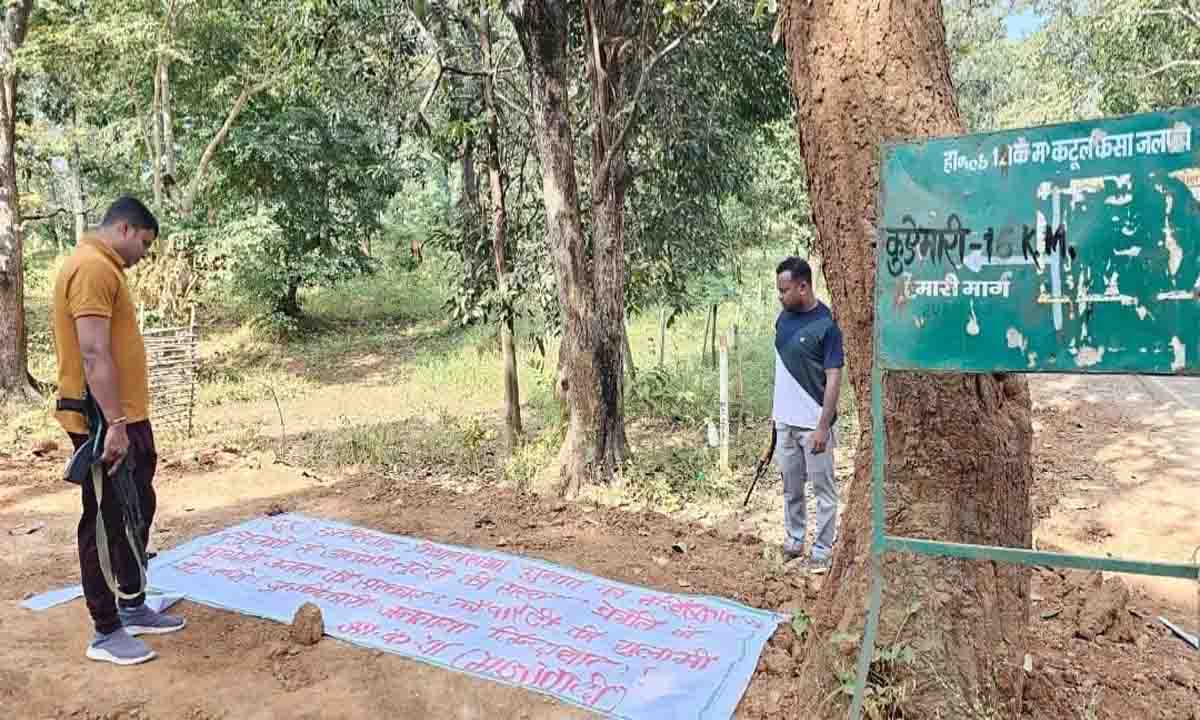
point(764, 461)
point(85, 466)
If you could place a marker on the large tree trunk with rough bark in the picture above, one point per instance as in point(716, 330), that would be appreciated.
point(609, 69)
point(508, 349)
point(591, 351)
point(959, 464)
point(14, 372)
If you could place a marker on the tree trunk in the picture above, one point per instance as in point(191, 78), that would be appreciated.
point(168, 123)
point(512, 392)
point(714, 336)
point(591, 349)
point(627, 353)
point(739, 411)
point(662, 336)
point(14, 372)
point(187, 202)
point(78, 206)
point(959, 453)
point(157, 134)
point(704, 342)
point(468, 202)
point(289, 305)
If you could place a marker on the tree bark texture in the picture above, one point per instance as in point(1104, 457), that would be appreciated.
point(156, 115)
point(595, 443)
point(168, 123)
point(958, 456)
point(612, 62)
point(78, 206)
point(512, 392)
point(14, 374)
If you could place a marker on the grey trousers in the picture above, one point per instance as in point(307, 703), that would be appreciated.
point(797, 463)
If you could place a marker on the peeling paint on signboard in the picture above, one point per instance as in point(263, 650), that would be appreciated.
point(1077, 245)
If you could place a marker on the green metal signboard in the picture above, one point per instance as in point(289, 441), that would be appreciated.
point(1069, 248)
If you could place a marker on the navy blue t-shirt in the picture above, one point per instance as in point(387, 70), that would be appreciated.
point(806, 345)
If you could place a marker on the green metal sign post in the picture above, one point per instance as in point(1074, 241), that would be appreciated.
point(1060, 249)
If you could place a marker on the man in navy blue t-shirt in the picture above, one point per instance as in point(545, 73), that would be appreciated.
point(808, 372)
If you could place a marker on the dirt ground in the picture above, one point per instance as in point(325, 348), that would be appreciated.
point(1117, 472)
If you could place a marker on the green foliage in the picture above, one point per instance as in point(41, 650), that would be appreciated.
point(1088, 58)
point(315, 195)
point(891, 681)
point(668, 393)
point(801, 623)
point(1146, 54)
point(989, 70)
point(671, 477)
point(697, 151)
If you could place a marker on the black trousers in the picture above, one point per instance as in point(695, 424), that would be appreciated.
point(101, 601)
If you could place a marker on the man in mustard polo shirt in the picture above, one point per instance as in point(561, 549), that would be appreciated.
point(100, 348)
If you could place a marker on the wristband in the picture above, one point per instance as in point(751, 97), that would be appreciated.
point(119, 421)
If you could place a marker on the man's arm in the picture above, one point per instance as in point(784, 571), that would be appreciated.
point(835, 357)
point(95, 344)
point(833, 389)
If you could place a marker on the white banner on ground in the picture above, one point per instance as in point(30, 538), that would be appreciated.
point(620, 650)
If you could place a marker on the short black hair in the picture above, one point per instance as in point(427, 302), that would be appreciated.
point(797, 267)
point(130, 210)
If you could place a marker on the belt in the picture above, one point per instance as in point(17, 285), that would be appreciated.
point(70, 405)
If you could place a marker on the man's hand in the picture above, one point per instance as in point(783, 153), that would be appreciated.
point(818, 440)
point(116, 446)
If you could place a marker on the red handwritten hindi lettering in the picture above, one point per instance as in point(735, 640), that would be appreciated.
point(358, 628)
point(402, 592)
point(322, 593)
point(438, 573)
point(438, 552)
point(478, 581)
point(295, 567)
point(532, 616)
point(287, 527)
point(587, 633)
point(396, 638)
point(417, 568)
point(362, 558)
point(594, 692)
point(236, 575)
point(614, 592)
point(689, 610)
point(687, 633)
point(216, 552)
point(537, 575)
point(341, 577)
point(361, 537)
point(190, 567)
point(245, 537)
point(432, 647)
point(631, 649)
point(636, 619)
point(698, 659)
point(471, 606)
point(413, 616)
point(541, 647)
point(528, 593)
point(542, 617)
point(310, 548)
